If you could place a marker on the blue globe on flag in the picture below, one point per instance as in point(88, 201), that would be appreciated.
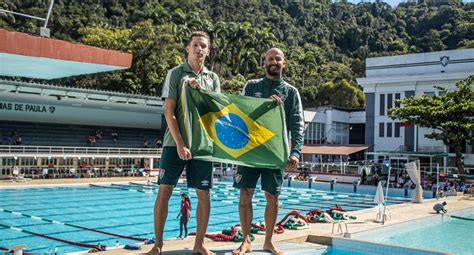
point(232, 131)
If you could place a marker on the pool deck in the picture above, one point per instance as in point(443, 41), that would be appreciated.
point(290, 240)
point(365, 221)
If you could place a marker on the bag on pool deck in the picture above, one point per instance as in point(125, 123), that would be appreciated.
point(133, 246)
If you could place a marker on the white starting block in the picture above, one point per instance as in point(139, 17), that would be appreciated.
point(18, 249)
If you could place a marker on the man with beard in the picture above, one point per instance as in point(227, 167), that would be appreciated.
point(272, 86)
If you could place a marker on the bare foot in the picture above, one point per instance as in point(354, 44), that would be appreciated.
point(202, 251)
point(273, 249)
point(244, 247)
point(154, 251)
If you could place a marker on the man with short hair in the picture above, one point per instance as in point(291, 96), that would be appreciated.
point(272, 86)
point(439, 207)
point(176, 154)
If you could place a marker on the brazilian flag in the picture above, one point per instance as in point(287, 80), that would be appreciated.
point(235, 129)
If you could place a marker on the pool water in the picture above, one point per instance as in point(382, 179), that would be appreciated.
point(437, 233)
point(127, 209)
point(291, 249)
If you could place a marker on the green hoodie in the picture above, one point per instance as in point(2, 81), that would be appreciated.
point(290, 96)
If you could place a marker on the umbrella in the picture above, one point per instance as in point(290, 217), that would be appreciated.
point(379, 197)
point(413, 170)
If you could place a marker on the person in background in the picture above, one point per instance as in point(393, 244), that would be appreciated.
point(376, 178)
point(115, 137)
point(439, 207)
point(363, 180)
point(184, 215)
point(98, 134)
point(158, 143)
point(18, 140)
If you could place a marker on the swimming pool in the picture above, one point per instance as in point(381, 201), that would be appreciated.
point(127, 209)
point(446, 234)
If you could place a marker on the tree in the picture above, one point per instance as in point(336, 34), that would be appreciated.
point(325, 42)
point(450, 115)
point(155, 49)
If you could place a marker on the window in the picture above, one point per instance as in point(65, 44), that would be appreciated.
point(397, 129)
point(389, 129)
point(341, 133)
point(382, 104)
point(389, 101)
point(314, 132)
point(381, 129)
point(27, 162)
point(397, 97)
point(322, 131)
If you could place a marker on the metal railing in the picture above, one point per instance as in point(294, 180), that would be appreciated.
point(18, 151)
point(357, 167)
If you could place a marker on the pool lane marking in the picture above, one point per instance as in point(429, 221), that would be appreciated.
point(460, 218)
point(132, 186)
point(68, 206)
point(113, 203)
point(316, 203)
point(352, 195)
point(75, 226)
point(353, 199)
point(145, 185)
point(347, 201)
point(104, 197)
point(291, 190)
point(54, 238)
point(367, 200)
point(126, 189)
point(217, 223)
point(339, 202)
point(344, 195)
point(55, 196)
point(213, 199)
point(223, 206)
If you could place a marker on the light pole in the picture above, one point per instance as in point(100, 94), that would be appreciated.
point(386, 195)
point(41, 31)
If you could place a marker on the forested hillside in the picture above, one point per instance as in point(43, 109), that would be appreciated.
point(325, 43)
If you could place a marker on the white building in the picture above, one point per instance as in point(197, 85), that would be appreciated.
point(397, 77)
point(334, 125)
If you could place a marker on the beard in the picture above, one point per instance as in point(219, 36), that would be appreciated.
point(276, 71)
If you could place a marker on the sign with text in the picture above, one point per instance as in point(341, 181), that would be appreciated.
point(23, 107)
point(80, 112)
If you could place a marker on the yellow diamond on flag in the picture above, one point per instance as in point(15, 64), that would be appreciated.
point(233, 131)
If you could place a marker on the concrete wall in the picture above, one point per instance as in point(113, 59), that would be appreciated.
point(48, 109)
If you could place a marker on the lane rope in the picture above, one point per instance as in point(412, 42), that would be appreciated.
point(92, 246)
point(75, 226)
point(461, 218)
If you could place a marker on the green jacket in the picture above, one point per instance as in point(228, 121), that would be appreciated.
point(174, 81)
point(290, 96)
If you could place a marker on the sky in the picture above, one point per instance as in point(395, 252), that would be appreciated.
point(395, 2)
